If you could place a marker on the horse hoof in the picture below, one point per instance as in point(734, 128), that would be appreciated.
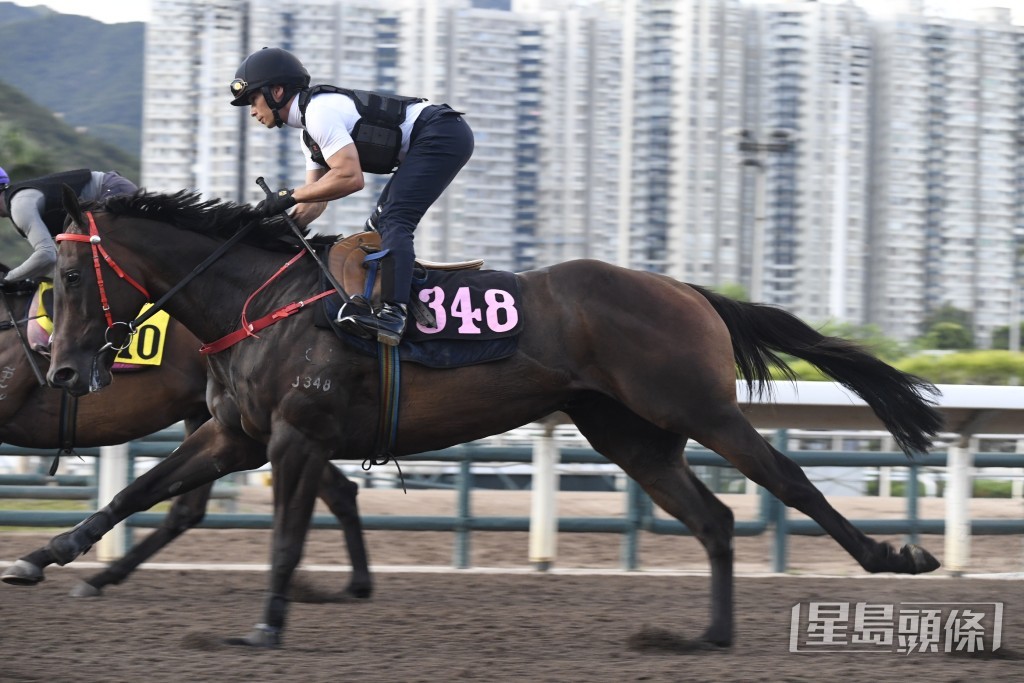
point(360, 592)
point(716, 639)
point(921, 561)
point(23, 573)
point(261, 636)
point(84, 589)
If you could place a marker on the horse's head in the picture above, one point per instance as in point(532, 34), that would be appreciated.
point(94, 298)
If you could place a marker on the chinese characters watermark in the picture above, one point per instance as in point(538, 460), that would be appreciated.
point(903, 628)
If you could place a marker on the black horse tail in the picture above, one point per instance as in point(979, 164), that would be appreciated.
point(903, 402)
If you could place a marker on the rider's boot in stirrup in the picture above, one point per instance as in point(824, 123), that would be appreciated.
point(387, 324)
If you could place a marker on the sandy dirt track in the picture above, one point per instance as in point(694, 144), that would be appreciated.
point(165, 625)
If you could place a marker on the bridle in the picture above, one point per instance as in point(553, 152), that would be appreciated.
point(98, 252)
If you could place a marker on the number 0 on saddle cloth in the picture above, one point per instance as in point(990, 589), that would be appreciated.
point(146, 347)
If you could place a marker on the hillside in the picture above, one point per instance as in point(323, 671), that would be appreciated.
point(11, 13)
point(88, 71)
point(34, 142)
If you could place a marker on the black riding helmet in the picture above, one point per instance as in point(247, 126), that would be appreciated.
point(264, 68)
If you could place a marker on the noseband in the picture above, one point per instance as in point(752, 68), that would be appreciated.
point(94, 241)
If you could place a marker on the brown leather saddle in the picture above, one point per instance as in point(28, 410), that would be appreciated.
point(345, 261)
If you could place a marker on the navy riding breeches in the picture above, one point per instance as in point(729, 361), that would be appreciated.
point(440, 145)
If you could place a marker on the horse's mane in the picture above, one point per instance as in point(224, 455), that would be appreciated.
point(186, 209)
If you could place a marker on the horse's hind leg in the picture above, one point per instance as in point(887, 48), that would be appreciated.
point(339, 493)
point(653, 457)
point(298, 466)
point(729, 434)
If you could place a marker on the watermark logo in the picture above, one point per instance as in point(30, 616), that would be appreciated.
point(904, 628)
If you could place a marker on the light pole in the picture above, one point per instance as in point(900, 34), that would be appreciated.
point(779, 141)
point(1015, 284)
point(1014, 340)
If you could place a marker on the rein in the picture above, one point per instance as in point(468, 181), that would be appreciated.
point(249, 329)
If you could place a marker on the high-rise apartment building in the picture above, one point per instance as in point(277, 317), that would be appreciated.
point(470, 58)
point(193, 138)
point(846, 168)
point(569, 137)
point(539, 89)
point(809, 70)
point(681, 87)
point(947, 176)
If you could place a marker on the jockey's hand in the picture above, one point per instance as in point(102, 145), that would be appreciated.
point(282, 200)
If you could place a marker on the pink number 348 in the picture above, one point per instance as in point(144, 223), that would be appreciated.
point(499, 314)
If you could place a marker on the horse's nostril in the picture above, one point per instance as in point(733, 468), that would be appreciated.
point(62, 376)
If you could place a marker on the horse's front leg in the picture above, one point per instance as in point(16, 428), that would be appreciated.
point(187, 511)
point(298, 464)
point(203, 457)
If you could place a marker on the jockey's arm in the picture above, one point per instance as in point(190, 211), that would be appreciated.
point(25, 213)
point(344, 177)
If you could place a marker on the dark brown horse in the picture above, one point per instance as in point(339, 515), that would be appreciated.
point(136, 404)
point(640, 362)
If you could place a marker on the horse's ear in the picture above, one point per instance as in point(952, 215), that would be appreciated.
point(69, 198)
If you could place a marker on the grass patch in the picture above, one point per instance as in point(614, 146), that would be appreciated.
point(31, 505)
point(983, 488)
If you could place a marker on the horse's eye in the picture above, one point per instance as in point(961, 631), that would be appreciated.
point(72, 278)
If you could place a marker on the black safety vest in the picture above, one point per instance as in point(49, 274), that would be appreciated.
point(377, 134)
point(50, 185)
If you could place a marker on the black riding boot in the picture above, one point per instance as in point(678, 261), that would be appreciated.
point(387, 324)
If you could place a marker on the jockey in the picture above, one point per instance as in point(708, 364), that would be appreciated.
point(34, 206)
point(347, 133)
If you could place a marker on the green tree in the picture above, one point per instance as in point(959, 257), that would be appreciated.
point(733, 290)
point(869, 336)
point(23, 158)
point(948, 335)
point(1001, 336)
point(946, 313)
point(947, 327)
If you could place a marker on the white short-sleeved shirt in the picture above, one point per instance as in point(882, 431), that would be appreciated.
point(330, 118)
